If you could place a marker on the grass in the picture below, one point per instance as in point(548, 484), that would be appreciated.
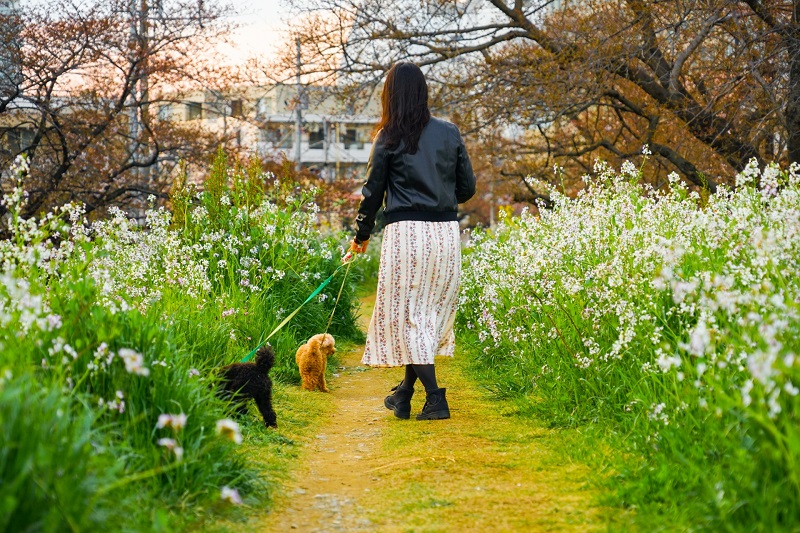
point(109, 327)
point(273, 453)
point(485, 469)
point(662, 325)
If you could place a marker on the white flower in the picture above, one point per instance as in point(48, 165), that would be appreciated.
point(229, 429)
point(657, 413)
point(746, 388)
point(172, 444)
point(701, 368)
point(71, 351)
point(700, 339)
point(681, 289)
point(134, 362)
point(116, 405)
point(230, 495)
point(666, 362)
point(101, 351)
point(58, 346)
point(659, 283)
point(53, 322)
point(759, 363)
point(176, 422)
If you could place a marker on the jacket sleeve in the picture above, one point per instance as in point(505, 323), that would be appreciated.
point(465, 178)
point(373, 191)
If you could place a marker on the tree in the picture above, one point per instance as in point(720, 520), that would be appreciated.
point(89, 79)
point(706, 85)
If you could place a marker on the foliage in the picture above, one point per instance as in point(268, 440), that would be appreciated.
point(110, 335)
point(707, 85)
point(87, 86)
point(669, 317)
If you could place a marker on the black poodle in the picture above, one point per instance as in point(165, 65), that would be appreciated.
point(241, 381)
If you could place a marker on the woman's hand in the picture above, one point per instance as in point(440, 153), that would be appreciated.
point(355, 248)
point(358, 247)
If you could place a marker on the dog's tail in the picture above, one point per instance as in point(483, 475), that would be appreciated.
point(265, 358)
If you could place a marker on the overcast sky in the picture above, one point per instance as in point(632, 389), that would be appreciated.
point(262, 24)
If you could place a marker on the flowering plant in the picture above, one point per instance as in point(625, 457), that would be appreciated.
point(672, 314)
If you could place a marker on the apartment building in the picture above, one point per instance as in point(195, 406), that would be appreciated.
point(335, 137)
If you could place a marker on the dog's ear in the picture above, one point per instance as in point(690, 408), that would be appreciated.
point(329, 344)
point(313, 343)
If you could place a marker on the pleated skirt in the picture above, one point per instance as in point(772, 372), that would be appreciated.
point(415, 307)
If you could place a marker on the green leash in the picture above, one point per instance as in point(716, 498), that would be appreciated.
point(316, 292)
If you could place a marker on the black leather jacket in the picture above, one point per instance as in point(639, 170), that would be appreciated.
point(427, 185)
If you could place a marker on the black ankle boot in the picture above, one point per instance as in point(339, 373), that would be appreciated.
point(400, 401)
point(436, 407)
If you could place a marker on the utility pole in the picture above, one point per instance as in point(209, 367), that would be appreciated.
point(10, 59)
point(326, 130)
point(133, 112)
point(144, 81)
point(298, 126)
point(497, 163)
point(491, 202)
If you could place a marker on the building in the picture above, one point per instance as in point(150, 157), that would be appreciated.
point(335, 136)
point(9, 49)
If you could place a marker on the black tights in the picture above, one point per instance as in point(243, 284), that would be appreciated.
point(425, 373)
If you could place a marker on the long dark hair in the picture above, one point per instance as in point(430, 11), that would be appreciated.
point(404, 103)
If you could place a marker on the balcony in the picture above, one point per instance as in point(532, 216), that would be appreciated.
point(317, 152)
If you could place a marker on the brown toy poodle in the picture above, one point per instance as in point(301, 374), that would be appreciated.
point(312, 359)
point(240, 382)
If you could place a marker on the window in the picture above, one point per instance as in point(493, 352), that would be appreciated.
point(165, 112)
point(350, 138)
point(271, 135)
point(194, 110)
point(316, 139)
point(263, 106)
point(280, 137)
point(236, 108)
point(18, 139)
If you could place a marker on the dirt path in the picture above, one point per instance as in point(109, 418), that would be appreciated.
point(365, 470)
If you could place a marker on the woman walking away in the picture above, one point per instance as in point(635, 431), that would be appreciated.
point(420, 169)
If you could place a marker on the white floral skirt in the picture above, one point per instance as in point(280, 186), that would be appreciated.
point(415, 308)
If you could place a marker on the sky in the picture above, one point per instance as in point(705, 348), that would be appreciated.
point(262, 25)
